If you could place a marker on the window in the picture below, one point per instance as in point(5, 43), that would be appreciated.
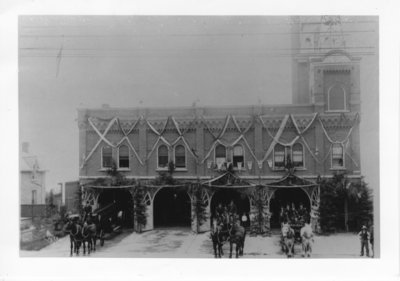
point(34, 197)
point(123, 154)
point(162, 156)
point(238, 158)
point(279, 156)
point(220, 155)
point(337, 156)
point(298, 155)
point(106, 154)
point(180, 156)
point(336, 98)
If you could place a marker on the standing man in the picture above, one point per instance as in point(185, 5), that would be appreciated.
point(232, 208)
point(88, 211)
point(371, 239)
point(364, 237)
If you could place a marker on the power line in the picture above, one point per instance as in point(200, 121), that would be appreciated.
point(188, 54)
point(347, 33)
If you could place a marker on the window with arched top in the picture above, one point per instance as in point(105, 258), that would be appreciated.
point(123, 156)
point(180, 156)
point(106, 157)
point(298, 155)
point(279, 156)
point(337, 156)
point(220, 155)
point(238, 156)
point(336, 98)
point(162, 156)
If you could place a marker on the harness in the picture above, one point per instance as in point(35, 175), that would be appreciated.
point(73, 236)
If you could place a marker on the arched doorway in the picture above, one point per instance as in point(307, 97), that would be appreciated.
point(172, 207)
point(226, 195)
point(287, 196)
point(117, 204)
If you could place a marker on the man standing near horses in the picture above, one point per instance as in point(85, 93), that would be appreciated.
point(364, 238)
point(371, 239)
point(219, 212)
point(88, 211)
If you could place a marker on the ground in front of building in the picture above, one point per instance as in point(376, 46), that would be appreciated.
point(183, 243)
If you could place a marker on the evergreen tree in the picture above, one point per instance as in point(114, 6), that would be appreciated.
point(344, 205)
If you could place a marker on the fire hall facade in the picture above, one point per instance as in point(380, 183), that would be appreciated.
point(261, 157)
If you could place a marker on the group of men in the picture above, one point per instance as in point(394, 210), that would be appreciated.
point(293, 215)
point(229, 214)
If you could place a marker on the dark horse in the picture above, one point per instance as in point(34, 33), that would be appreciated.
point(89, 236)
point(74, 229)
point(219, 235)
point(237, 235)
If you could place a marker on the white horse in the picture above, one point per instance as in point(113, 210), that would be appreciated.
point(287, 240)
point(307, 239)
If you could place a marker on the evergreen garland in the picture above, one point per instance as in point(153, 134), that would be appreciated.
point(258, 223)
point(200, 207)
point(140, 208)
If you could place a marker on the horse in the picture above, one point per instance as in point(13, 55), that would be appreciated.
point(89, 236)
point(237, 235)
point(219, 235)
point(307, 240)
point(288, 236)
point(74, 229)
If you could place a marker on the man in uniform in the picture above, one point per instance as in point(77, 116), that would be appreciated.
point(88, 211)
point(232, 208)
point(364, 238)
point(302, 212)
point(371, 239)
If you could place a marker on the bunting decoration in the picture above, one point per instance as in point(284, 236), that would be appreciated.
point(301, 123)
point(217, 139)
point(161, 138)
point(102, 138)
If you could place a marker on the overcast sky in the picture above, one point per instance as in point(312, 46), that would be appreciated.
point(71, 62)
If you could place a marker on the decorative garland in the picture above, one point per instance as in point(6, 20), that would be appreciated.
point(161, 138)
point(276, 139)
point(102, 137)
point(218, 141)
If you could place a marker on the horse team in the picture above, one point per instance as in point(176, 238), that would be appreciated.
point(226, 227)
point(83, 233)
point(289, 237)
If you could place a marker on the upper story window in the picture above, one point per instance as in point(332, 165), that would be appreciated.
point(336, 98)
point(238, 156)
point(279, 156)
point(337, 156)
point(162, 156)
point(337, 87)
point(106, 157)
point(180, 156)
point(298, 155)
point(220, 155)
point(123, 155)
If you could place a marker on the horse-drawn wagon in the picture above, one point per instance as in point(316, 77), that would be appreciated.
point(104, 218)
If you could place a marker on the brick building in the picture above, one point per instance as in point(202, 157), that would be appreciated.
point(269, 155)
